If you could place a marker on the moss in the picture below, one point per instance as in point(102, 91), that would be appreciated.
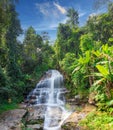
point(36, 121)
point(69, 126)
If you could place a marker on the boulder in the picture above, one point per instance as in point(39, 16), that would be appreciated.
point(71, 123)
point(22, 105)
point(33, 96)
point(11, 120)
point(35, 127)
point(36, 114)
point(32, 101)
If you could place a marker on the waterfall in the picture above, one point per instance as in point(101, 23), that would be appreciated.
point(50, 92)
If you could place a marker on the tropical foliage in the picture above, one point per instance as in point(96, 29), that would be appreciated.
point(21, 63)
point(83, 54)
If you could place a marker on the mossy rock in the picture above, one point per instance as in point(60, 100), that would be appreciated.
point(69, 126)
point(36, 121)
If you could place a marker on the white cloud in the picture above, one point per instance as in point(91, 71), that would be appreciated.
point(50, 26)
point(102, 10)
point(53, 14)
point(43, 8)
point(82, 14)
point(93, 14)
point(60, 8)
point(50, 9)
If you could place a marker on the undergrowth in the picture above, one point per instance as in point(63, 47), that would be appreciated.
point(7, 106)
point(97, 120)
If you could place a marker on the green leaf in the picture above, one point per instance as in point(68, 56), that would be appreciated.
point(97, 53)
point(87, 59)
point(110, 103)
point(76, 69)
point(97, 74)
point(105, 48)
point(104, 71)
point(102, 62)
point(110, 39)
point(98, 81)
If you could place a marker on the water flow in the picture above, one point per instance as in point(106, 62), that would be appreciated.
point(50, 92)
point(55, 113)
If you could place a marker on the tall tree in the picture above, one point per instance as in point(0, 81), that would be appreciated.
point(73, 17)
point(32, 47)
point(61, 45)
point(13, 31)
point(9, 31)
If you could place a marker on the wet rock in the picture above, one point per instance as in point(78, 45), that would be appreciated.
point(35, 127)
point(11, 120)
point(33, 96)
point(26, 101)
point(43, 99)
point(37, 93)
point(32, 101)
point(36, 112)
point(71, 123)
point(35, 119)
point(75, 117)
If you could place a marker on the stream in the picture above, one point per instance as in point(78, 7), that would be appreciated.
point(50, 93)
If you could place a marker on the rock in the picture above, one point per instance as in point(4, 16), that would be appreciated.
point(32, 96)
point(71, 123)
point(11, 120)
point(77, 97)
point(75, 117)
point(91, 99)
point(35, 119)
point(22, 106)
point(35, 113)
point(35, 127)
point(70, 126)
point(73, 101)
point(32, 101)
point(37, 93)
point(43, 99)
point(3, 127)
point(26, 101)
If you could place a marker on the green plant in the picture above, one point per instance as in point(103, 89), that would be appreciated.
point(7, 106)
point(97, 121)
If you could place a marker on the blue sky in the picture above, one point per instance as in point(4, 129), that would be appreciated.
point(45, 15)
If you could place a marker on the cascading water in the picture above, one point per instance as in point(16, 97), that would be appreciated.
point(50, 92)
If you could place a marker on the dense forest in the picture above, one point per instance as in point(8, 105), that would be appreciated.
point(83, 54)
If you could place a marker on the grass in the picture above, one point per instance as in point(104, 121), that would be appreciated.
point(7, 106)
point(97, 120)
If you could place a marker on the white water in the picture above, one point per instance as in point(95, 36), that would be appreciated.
point(50, 92)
